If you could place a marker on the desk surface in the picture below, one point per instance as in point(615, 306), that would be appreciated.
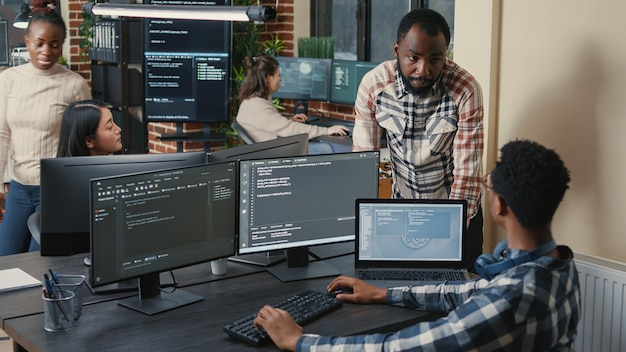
point(107, 326)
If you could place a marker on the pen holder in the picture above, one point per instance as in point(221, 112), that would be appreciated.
point(58, 312)
point(73, 283)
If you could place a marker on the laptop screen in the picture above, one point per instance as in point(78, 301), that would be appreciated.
point(410, 230)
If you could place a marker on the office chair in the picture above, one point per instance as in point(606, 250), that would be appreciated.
point(320, 147)
point(34, 226)
point(241, 132)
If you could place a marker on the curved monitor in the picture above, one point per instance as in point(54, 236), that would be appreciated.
point(147, 223)
point(296, 202)
point(65, 192)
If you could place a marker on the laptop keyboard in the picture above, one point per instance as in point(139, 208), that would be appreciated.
point(412, 275)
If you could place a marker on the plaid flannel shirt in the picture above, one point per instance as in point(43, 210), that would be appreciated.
point(534, 306)
point(435, 140)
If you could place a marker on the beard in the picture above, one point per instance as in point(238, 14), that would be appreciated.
point(415, 90)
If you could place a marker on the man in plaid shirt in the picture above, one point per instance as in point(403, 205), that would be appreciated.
point(529, 299)
point(431, 111)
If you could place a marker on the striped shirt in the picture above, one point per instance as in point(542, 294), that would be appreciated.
point(435, 140)
point(32, 102)
point(534, 306)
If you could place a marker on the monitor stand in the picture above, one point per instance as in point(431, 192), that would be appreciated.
point(151, 300)
point(268, 258)
point(299, 268)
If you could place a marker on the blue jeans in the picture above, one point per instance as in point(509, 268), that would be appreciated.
point(20, 203)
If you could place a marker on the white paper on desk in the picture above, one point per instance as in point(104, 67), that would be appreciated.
point(15, 279)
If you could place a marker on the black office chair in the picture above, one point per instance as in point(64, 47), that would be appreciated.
point(34, 226)
point(241, 132)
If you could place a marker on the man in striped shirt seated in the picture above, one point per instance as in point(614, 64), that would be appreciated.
point(528, 300)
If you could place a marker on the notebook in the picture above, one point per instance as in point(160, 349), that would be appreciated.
point(15, 279)
point(404, 236)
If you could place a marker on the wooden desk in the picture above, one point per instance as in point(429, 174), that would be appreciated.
point(28, 301)
point(107, 326)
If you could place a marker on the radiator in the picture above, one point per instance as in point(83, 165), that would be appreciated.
point(603, 296)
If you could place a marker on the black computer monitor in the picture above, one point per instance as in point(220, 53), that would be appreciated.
point(4, 42)
point(279, 147)
point(345, 79)
point(187, 67)
point(65, 193)
point(304, 78)
point(292, 203)
point(146, 223)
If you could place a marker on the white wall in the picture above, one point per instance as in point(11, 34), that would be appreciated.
point(555, 72)
point(561, 81)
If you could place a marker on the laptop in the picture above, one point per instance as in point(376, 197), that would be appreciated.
point(403, 242)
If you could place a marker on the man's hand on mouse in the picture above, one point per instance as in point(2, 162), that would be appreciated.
point(362, 292)
point(338, 130)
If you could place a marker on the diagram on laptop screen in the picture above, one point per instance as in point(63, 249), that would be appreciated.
point(406, 231)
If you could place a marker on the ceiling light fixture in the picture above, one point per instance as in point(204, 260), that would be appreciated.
point(183, 12)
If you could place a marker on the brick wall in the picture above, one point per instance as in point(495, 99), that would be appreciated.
point(74, 58)
point(282, 26)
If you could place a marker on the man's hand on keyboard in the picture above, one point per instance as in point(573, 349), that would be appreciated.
point(280, 326)
point(362, 292)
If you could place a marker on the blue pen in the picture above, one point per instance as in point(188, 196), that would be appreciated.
point(48, 284)
point(55, 277)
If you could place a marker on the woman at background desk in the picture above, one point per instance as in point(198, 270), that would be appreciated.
point(259, 117)
point(88, 129)
point(33, 97)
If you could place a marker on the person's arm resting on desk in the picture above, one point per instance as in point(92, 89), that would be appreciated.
point(288, 335)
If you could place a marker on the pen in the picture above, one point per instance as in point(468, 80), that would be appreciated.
point(50, 294)
point(49, 287)
point(55, 277)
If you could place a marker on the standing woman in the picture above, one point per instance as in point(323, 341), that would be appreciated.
point(259, 117)
point(32, 100)
point(88, 129)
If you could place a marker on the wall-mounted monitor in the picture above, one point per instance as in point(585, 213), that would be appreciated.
point(292, 203)
point(65, 192)
point(4, 43)
point(147, 223)
point(304, 78)
point(345, 79)
point(187, 68)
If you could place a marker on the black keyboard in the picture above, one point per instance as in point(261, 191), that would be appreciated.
point(303, 308)
point(412, 275)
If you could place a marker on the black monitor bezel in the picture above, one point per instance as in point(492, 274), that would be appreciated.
point(57, 192)
point(296, 145)
point(158, 270)
point(329, 240)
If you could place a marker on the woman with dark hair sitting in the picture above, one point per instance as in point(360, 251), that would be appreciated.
point(87, 129)
point(259, 117)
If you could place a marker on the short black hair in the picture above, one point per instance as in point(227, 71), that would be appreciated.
point(431, 22)
point(532, 180)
